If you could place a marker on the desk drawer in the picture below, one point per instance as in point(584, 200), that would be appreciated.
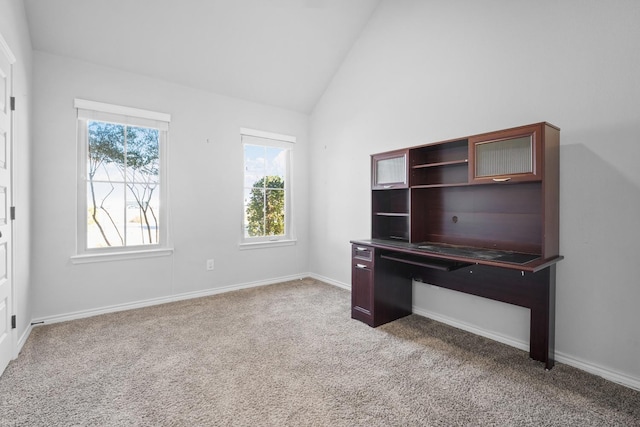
point(359, 264)
point(361, 252)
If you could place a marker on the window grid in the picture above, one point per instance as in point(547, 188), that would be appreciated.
point(133, 188)
point(267, 188)
point(124, 186)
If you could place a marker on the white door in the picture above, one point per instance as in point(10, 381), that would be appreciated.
point(6, 336)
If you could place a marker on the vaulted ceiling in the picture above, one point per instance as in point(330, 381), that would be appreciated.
point(276, 52)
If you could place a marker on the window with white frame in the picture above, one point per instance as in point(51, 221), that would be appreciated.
point(121, 185)
point(267, 208)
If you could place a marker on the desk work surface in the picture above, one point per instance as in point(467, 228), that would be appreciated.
point(498, 258)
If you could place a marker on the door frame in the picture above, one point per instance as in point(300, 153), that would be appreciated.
point(6, 50)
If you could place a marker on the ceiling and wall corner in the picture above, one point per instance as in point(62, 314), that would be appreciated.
point(278, 52)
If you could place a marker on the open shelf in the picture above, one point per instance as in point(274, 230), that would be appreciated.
point(440, 164)
point(392, 227)
point(461, 184)
point(434, 154)
point(445, 173)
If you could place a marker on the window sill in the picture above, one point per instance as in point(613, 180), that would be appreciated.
point(267, 244)
point(119, 256)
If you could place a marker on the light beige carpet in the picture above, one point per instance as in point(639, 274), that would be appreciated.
point(290, 355)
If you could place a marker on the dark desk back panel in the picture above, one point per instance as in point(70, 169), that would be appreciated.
point(505, 217)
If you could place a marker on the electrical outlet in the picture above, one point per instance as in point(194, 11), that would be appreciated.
point(210, 264)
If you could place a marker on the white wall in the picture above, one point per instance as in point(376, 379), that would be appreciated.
point(425, 71)
point(205, 191)
point(14, 29)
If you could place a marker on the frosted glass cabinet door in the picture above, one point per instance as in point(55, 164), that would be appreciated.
point(509, 157)
point(389, 170)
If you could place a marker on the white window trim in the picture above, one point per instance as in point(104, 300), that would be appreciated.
point(267, 244)
point(278, 140)
point(119, 256)
point(100, 111)
point(102, 107)
point(267, 135)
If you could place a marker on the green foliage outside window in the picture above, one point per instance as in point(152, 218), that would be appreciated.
point(265, 209)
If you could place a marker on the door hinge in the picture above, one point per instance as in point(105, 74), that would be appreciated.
point(13, 321)
point(13, 103)
point(12, 213)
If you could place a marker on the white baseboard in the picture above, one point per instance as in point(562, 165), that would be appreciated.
point(330, 281)
point(616, 377)
point(510, 341)
point(21, 341)
point(162, 300)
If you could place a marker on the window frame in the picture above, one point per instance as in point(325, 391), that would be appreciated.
point(269, 139)
point(110, 113)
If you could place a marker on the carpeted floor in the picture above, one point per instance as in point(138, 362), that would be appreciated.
point(290, 355)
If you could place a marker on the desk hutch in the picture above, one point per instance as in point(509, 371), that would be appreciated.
point(477, 214)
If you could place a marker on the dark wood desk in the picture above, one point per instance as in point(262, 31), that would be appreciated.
point(382, 274)
point(477, 214)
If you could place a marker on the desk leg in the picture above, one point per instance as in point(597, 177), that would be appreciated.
point(535, 291)
point(393, 294)
point(543, 316)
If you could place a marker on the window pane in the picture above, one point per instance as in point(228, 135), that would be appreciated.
point(276, 161)
point(106, 151)
point(122, 157)
point(254, 212)
point(121, 178)
point(105, 215)
point(265, 175)
point(142, 214)
point(274, 214)
point(254, 164)
point(265, 208)
point(142, 155)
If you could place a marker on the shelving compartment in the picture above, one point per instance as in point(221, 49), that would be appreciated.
point(440, 165)
point(508, 218)
point(390, 214)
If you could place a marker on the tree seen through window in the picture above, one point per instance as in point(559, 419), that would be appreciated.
point(122, 185)
point(265, 191)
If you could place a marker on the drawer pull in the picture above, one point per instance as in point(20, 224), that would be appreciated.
point(361, 249)
point(501, 179)
point(361, 266)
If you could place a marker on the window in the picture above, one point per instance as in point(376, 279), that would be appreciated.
point(121, 186)
point(267, 187)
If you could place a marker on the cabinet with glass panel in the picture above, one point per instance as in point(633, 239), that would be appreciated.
point(390, 195)
point(512, 155)
point(389, 170)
